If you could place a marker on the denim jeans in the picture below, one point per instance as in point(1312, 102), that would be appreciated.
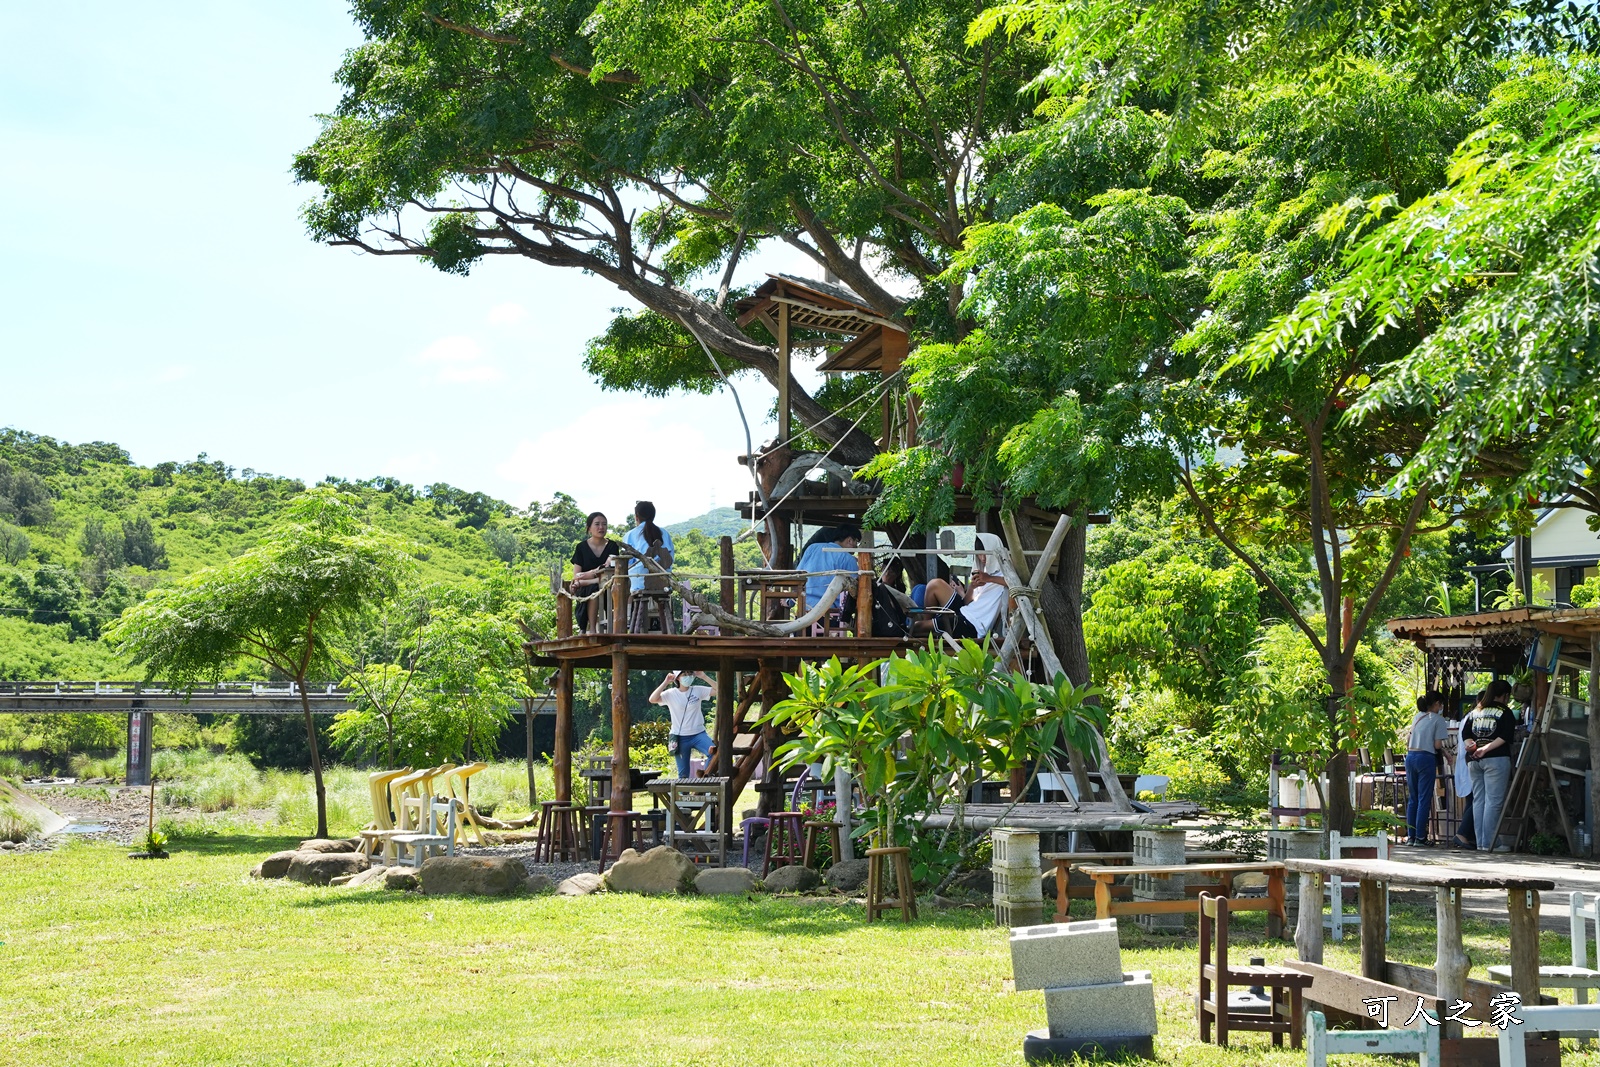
point(687, 745)
point(1490, 777)
point(1420, 773)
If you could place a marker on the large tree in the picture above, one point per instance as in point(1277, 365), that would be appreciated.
point(653, 145)
point(279, 604)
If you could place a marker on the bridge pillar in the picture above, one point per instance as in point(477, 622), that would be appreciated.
point(139, 750)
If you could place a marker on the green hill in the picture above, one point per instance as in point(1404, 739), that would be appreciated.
point(714, 524)
point(85, 532)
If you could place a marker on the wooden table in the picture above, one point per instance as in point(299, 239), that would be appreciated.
point(601, 776)
point(1065, 861)
point(696, 813)
point(1450, 982)
point(1106, 908)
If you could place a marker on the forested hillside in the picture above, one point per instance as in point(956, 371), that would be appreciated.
point(85, 532)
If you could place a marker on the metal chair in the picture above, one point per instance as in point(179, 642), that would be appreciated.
point(439, 832)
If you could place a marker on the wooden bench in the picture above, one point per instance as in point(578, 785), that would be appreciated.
point(1104, 875)
point(1064, 863)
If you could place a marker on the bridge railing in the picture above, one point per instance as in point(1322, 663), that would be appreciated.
point(221, 689)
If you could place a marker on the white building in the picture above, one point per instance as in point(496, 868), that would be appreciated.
point(1565, 552)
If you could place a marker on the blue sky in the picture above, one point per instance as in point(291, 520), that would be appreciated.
point(157, 288)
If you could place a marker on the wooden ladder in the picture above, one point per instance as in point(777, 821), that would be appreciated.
point(1514, 813)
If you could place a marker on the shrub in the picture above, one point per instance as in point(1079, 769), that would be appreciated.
point(16, 825)
point(650, 733)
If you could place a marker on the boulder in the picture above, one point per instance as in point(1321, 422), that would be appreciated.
point(660, 870)
point(581, 885)
point(477, 876)
point(980, 883)
point(401, 878)
point(343, 879)
point(330, 844)
point(538, 883)
point(275, 865)
point(792, 879)
point(847, 877)
point(724, 881)
point(321, 868)
point(370, 876)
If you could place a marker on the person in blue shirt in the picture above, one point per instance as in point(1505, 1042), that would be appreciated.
point(643, 537)
point(830, 549)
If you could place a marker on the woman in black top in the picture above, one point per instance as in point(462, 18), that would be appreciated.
point(589, 560)
point(1487, 735)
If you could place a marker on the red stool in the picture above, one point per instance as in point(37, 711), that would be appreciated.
point(784, 845)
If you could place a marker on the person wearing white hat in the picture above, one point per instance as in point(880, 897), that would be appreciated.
point(683, 699)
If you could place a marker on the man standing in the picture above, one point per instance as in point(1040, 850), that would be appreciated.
point(688, 727)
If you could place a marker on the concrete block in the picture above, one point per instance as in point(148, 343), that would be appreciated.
point(1063, 955)
point(1018, 885)
point(1162, 848)
point(1009, 914)
point(1040, 1047)
point(1122, 1009)
point(1294, 845)
point(1014, 848)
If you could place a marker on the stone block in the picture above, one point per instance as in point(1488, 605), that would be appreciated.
point(848, 876)
point(1159, 848)
point(476, 876)
point(1017, 885)
point(660, 870)
point(1294, 845)
point(321, 868)
point(1115, 1010)
point(1013, 915)
point(581, 885)
point(1063, 955)
point(275, 865)
point(724, 882)
point(792, 879)
point(1040, 1047)
point(1014, 848)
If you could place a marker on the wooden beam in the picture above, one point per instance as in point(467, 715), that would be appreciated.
point(864, 592)
point(1594, 735)
point(1451, 962)
point(727, 591)
point(621, 791)
point(561, 758)
point(727, 694)
point(1374, 928)
point(620, 586)
point(1524, 907)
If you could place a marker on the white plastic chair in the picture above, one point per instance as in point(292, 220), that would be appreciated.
point(1339, 847)
point(1322, 1042)
point(1152, 783)
point(439, 832)
point(1565, 1019)
point(1578, 976)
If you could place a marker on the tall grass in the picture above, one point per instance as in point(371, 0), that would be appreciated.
point(16, 825)
point(231, 791)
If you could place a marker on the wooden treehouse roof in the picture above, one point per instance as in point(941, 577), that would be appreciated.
point(1566, 622)
point(876, 343)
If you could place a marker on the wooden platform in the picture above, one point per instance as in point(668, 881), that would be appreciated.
point(688, 651)
point(1061, 818)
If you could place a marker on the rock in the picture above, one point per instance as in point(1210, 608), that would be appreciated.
point(275, 865)
point(538, 883)
point(328, 844)
point(401, 878)
point(581, 885)
point(370, 876)
point(8, 845)
point(847, 877)
point(475, 876)
point(724, 881)
point(321, 868)
point(343, 879)
point(660, 870)
point(979, 883)
point(792, 879)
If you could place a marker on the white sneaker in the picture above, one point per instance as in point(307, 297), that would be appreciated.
point(1502, 848)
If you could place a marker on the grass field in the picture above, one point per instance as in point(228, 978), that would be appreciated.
point(187, 961)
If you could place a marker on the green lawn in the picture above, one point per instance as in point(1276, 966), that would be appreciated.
point(108, 961)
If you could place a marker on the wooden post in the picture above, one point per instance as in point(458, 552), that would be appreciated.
point(1525, 943)
point(864, 593)
point(783, 374)
point(621, 794)
point(771, 693)
point(727, 699)
point(527, 723)
point(561, 758)
point(1451, 962)
point(728, 593)
point(1308, 929)
point(620, 586)
point(563, 616)
point(1374, 930)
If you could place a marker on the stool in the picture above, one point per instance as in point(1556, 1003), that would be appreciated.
point(646, 603)
point(541, 847)
point(558, 832)
point(906, 898)
point(618, 824)
point(591, 830)
point(783, 840)
point(835, 844)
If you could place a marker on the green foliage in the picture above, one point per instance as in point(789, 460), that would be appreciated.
point(641, 351)
point(16, 825)
point(279, 741)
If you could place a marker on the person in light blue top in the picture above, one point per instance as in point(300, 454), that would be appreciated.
point(643, 537)
point(831, 549)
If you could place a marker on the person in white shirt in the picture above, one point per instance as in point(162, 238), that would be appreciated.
point(678, 693)
point(971, 611)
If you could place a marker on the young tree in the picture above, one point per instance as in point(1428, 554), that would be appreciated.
point(279, 604)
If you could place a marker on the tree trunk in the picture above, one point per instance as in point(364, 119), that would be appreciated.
point(316, 759)
point(1337, 812)
point(388, 741)
point(1061, 598)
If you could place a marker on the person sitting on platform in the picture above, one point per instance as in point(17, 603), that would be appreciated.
point(830, 549)
point(589, 560)
point(973, 610)
point(687, 732)
point(645, 537)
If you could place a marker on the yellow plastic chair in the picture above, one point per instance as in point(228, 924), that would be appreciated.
point(455, 781)
point(382, 824)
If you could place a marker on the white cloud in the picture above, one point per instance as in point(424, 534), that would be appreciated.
point(617, 453)
point(458, 360)
point(505, 314)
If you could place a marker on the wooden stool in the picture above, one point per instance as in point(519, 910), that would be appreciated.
point(646, 603)
point(558, 832)
point(590, 834)
point(1287, 1014)
point(621, 833)
point(783, 840)
point(906, 897)
point(541, 847)
point(835, 844)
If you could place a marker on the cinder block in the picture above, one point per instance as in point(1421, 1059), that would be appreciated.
point(1294, 845)
point(1159, 848)
point(1009, 914)
point(1014, 848)
point(1116, 1010)
point(1018, 885)
point(1063, 955)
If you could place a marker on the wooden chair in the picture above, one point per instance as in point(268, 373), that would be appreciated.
point(905, 898)
point(438, 832)
point(1577, 976)
point(1344, 846)
point(1563, 1019)
point(1286, 1012)
point(1321, 1042)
